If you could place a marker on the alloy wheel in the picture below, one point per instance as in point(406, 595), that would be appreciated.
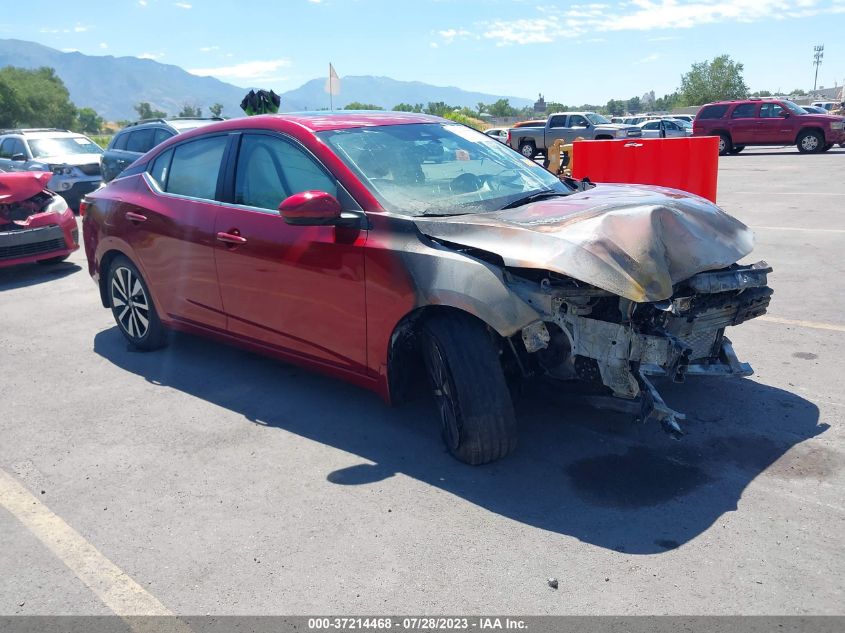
point(810, 142)
point(130, 303)
point(444, 396)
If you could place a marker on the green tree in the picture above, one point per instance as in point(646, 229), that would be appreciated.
point(145, 111)
point(634, 105)
point(357, 105)
point(502, 108)
point(480, 107)
point(89, 122)
point(761, 93)
point(190, 111)
point(554, 106)
point(34, 98)
point(713, 81)
point(408, 107)
point(439, 108)
point(216, 109)
point(615, 108)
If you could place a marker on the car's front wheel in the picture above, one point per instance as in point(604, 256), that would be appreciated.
point(132, 307)
point(810, 142)
point(473, 401)
point(737, 149)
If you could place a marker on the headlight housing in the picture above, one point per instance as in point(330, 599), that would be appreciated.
point(61, 170)
point(622, 133)
point(837, 125)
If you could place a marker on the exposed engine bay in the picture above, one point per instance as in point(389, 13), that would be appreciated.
point(17, 212)
point(591, 335)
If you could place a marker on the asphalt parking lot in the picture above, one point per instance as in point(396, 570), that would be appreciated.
point(204, 479)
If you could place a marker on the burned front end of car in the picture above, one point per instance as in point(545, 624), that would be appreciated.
point(626, 283)
point(617, 344)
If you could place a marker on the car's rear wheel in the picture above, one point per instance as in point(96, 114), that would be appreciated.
point(132, 306)
point(737, 149)
point(810, 142)
point(476, 413)
point(725, 144)
point(529, 150)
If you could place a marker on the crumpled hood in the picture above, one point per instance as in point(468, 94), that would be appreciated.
point(22, 185)
point(633, 241)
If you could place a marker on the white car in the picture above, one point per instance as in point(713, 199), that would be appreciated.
point(498, 133)
point(673, 127)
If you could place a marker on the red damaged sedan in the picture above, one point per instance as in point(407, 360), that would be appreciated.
point(36, 225)
point(376, 247)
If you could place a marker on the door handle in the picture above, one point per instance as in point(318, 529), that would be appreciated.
point(233, 238)
point(135, 218)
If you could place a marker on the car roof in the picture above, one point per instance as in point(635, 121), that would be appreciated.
point(52, 134)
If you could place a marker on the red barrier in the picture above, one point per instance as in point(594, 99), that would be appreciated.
point(690, 164)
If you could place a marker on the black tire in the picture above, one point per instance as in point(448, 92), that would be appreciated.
point(53, 260)
point(827, 147)
point(528, 149)
point(132, 306)
point(810, 142)
point(474, 403)
point(725, 144)
point(842, 144)
point(736, 149)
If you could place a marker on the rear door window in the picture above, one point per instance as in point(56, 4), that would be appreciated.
point(744, 111)
point(120, 141)
point(6, 148)
point(195, 168)
point(161, 135)
point(557, 121)
point(713, 111)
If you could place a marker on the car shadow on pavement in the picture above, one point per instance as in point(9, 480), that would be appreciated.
point(32, 274)
point(578, 471)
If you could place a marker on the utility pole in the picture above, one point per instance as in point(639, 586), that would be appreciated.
point(818, 53)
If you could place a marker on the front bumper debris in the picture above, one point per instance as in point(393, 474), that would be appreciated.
point(679, 337)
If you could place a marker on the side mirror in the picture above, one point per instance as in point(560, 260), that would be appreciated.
point(19, 157)
point(784, 114)
point(315, 208)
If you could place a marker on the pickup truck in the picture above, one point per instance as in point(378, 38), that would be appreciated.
point(531, 141)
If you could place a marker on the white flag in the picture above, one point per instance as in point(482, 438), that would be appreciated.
point(333, 82)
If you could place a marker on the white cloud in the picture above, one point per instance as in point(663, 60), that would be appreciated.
point(103, 45)
point(208, 49)
point(551, 23)
point(315, 1)
point(70, 50)
point(183, 5)
point(151, 55)
point(246, 71)
point(648, 59)
point(143, 3)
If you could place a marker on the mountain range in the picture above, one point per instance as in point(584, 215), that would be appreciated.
point(113, 85)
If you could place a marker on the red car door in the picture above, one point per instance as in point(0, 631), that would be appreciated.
point(772, 127)
point(172, 234)
point(296, 288)
point(744, 123)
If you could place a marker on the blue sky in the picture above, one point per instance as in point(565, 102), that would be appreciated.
point(572, 52)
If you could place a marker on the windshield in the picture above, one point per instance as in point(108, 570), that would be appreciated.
point(796, 109)
point(596, 119)
point(684, 124)
point(63, 145)
point(437, 169)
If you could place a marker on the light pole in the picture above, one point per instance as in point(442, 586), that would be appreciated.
point(818, 53)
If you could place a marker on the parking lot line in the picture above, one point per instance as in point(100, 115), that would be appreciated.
point(112, 585)
point(810, 324)
point(788, 193)
point(794, 228)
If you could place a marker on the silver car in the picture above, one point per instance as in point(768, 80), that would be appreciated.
point(73, 158)
point(673, 128)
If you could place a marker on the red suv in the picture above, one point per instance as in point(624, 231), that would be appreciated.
point(768, 122)
point(377, 247)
